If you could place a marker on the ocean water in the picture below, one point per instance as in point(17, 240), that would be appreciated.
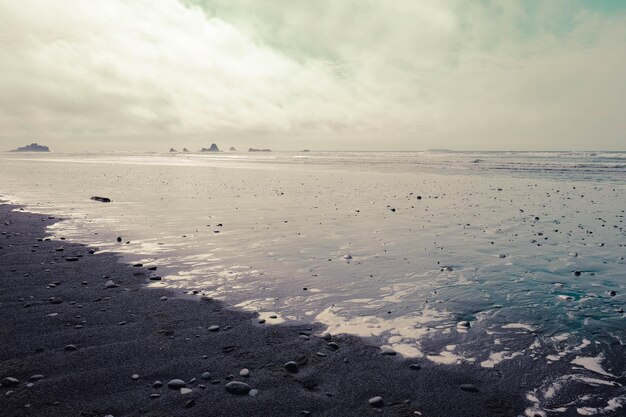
point(453, 257)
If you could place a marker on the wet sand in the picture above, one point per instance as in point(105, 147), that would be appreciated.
point(131, 330)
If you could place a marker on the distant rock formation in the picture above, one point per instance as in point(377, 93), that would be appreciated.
point(101, 199)
point(232, 149)
point(306, 150)
point(213, 148)
point(33, 147)
point(173, 150)
point(259, 150)
point(185, 150)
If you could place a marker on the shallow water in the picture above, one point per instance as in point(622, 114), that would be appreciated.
point(526, 247)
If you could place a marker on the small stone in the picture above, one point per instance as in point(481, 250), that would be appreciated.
point(185, 391)
point(327, 336)
point(36, 377)
point(253, 392)
point(469, 387)
point(71, 259)
point(155, 278)
point(56, 300)
point(135, 377)
point(463, 323)
point(333, 345)
point(10, 382)
point(206, 376)
point(415, 367)
point(261, 321)
point(612, 293)
point(155, 396)
point(164, 298)
point(244, 372)
point(176, 384)
point(214, 328)
point(502, 256)
point(320, 354)
point(190, 403)
point(157, 384)
point(291, 367)
point(573, 254)
point(238, 388)
point(70, 348)
point(387, 351)
point(110, 284)
point(376, 402)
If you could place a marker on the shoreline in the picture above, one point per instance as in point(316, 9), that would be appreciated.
point(131, 330)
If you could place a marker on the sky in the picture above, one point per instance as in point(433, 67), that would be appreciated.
point(321, 75)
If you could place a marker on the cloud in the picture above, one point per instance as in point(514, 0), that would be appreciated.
point(342, 75)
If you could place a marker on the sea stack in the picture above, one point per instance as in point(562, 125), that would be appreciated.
point(212, 148)
point(173, 150)
point(33, 147)
point(232, 149)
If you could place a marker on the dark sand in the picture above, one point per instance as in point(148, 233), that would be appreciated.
point(162, 340)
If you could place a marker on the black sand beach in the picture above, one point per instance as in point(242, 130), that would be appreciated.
point(78, 348)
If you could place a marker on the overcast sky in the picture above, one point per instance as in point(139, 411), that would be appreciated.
point(317, 74)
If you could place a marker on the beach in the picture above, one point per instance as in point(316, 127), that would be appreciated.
point(74, 346)
point(429, 271)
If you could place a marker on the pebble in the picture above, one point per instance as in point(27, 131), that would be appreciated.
point(110, 284)
point(56, 300)
point(244, 372)
point(206, 376)
point(376, 402)
point(190, 403)
point(415, 367)
point(238, 388)
point(36, 377)
point(501, 256)
point(253, 392)
point(10, 382)
point(157, 384)
point(155, 396)
point(214, 328)
point(463, 323)
point(387, 351)
point(333, 345)
point(185, 391)
point(469, 387)
point(135, 377)
point(176, 384)
point(291, 367)
point(70, 348)
point(164, 298)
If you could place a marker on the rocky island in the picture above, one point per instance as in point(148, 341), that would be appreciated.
point(33, 147)
point(259, 150)
point(213, 148)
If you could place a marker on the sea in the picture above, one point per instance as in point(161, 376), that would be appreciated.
point(494, 259)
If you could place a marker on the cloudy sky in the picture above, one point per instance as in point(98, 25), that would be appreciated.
point(323, 74)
